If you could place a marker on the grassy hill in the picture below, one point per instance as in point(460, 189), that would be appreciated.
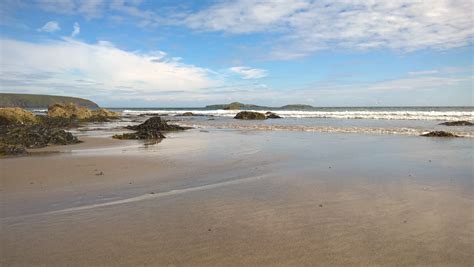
point(41, 101)
point(237, 105)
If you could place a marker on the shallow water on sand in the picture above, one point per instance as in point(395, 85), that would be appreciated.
point(239, 197)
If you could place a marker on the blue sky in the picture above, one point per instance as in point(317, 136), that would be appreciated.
point(193, 53)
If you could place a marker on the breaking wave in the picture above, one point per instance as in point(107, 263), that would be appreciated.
point(437, 115)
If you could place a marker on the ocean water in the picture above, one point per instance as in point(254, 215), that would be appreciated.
point(369, 120)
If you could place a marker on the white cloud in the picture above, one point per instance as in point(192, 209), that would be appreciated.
point(249, 73)
point(76, 30)
point(91, 8)
point(305, 26)
point(57, 6)
point(75, 68)
point(422, 72)
point(50, 26)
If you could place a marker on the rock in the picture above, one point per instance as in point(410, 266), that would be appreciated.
point(439, 134)
point(271, 115)
point(187, 114)
point(250, 115)
point(9, 149)
point(72, 111)
point(103, 114)
point(57, 122)
point(36, 136)
point(140, 135)
point(457, 123)
point(17, 138)
point(9, 116)
point(157, 124)
point(69, 111)
point(150, 129)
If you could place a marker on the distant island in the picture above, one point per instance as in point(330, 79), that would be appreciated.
point(238, 106)
point(41, 101)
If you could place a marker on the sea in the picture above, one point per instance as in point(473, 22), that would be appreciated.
point(368, 120)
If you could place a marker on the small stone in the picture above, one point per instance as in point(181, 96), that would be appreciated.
point(320, 205)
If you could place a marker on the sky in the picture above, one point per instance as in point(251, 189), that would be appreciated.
point(167, 53)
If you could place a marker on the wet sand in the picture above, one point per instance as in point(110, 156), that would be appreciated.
point(227, 197)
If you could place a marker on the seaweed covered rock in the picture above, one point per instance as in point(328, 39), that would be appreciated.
point(57, 122)
point(150, 129)
point(69, 111)
point(155, 124)
point(250, 115)
point(9, 116)
point(103, 114)
point(35, 136)
point(72, 111)
point(140, 135)
point(457, 123)
point(271, 115)
point(439, 134)
point(9, 149)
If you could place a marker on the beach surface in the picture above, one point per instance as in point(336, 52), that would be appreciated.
point(241, 197)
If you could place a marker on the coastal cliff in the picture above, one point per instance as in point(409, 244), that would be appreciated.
point(41, 101)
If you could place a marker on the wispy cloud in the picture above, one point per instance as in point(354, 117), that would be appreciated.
point(306, 27)
point(249, 73)
point(91, 8)
point(76, 29)
point(422, 72)
point(57, 6)
point(63, 66)
point(50, 26)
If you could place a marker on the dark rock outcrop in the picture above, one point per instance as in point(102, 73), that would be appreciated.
point(35, 136)
point(156, 124)
point(250, 115)
point(150, 129)
point(439, 134)
point(457, 123)
point(9, 149)
point(271, 115)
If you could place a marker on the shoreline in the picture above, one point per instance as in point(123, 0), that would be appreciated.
point(315, 198)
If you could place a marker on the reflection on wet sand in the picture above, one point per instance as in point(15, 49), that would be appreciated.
point(242, 198)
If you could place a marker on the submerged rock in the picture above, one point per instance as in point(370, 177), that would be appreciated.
point(457, 123)
point(140, 135)
point(250, 115)
point(150, 129)
point(439, 134)
point(10, 116)
point(271, 115)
